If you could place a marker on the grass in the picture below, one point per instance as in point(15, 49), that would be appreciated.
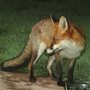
point(18, 17)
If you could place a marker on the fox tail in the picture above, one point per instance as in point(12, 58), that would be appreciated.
point(19, 61)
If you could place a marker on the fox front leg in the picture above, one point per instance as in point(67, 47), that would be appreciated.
point(71, 66)
point(59, 69)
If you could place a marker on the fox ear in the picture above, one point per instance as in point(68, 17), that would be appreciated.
point(63, 24)
point(51, 19)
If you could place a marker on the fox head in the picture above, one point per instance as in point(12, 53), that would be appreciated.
point(65, 34)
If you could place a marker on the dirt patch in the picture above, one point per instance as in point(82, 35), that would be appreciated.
point(19, 81)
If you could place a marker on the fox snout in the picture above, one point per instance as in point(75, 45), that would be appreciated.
point(54, 49)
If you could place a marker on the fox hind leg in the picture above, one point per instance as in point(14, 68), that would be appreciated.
point(35, 56)
point(31, 67)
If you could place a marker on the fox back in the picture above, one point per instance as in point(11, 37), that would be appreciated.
point(43, 31)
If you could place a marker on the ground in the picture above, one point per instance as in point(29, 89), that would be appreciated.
point(19, 81)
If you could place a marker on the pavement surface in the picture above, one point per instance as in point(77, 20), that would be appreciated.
point(19, 81)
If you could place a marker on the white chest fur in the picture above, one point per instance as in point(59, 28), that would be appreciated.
point(70, 49)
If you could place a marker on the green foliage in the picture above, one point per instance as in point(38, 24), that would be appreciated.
point(17, 18)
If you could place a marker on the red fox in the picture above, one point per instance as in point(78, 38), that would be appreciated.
point(59, 37)
point(68, 42)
